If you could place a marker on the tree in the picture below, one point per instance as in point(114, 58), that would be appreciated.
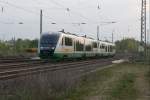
point(127, 45)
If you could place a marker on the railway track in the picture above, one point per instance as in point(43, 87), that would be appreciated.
point(18, 70)
point(15, 60)
point(10, 66)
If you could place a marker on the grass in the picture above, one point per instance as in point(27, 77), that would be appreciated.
point(116, 83)
point(85, 87)
point(119, 82)
point(147, 75)
point(124, 89)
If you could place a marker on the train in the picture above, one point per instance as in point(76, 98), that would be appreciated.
point(61, 45)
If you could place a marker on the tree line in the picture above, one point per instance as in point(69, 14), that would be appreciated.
point(20, 46)
point(17, 47)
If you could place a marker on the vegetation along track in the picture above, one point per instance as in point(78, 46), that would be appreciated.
point(23, 70)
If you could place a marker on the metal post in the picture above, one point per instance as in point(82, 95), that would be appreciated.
point(41, 19)
point(41, 23)
point(14, 44)
point(98, 33)
point(148, 39)
point(145, 3)
point(143, 26)
point(113, 37)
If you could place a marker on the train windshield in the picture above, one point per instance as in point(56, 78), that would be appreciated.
point(49, 40)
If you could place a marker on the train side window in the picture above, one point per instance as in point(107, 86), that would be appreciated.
point(106, 48)
point(68, 41)
point(103, 46)
point(62, 42)
point(100, 46)
point(94, 45)
point(79, 46)
point(88, 48)
point(111, 49)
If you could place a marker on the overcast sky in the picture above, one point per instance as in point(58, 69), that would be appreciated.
point(126, 14)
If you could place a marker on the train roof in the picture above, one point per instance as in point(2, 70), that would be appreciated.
point(73, 34)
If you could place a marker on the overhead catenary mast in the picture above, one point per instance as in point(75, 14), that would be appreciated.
point(98, 33)
point(41, 26)
point(143, 25)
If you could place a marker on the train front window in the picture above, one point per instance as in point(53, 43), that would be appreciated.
point(49, 40)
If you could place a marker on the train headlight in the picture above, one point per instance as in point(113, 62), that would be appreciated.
point(41, 47)
point(53, 48)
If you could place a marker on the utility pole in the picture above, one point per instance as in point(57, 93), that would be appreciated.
point(41, 25)
point(98, 33)
point(113, 37)
point(148, 39)
point(41, 21)
point(14, 45)
point(143, 26)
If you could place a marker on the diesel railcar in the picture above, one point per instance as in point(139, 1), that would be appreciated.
point(59, 45)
